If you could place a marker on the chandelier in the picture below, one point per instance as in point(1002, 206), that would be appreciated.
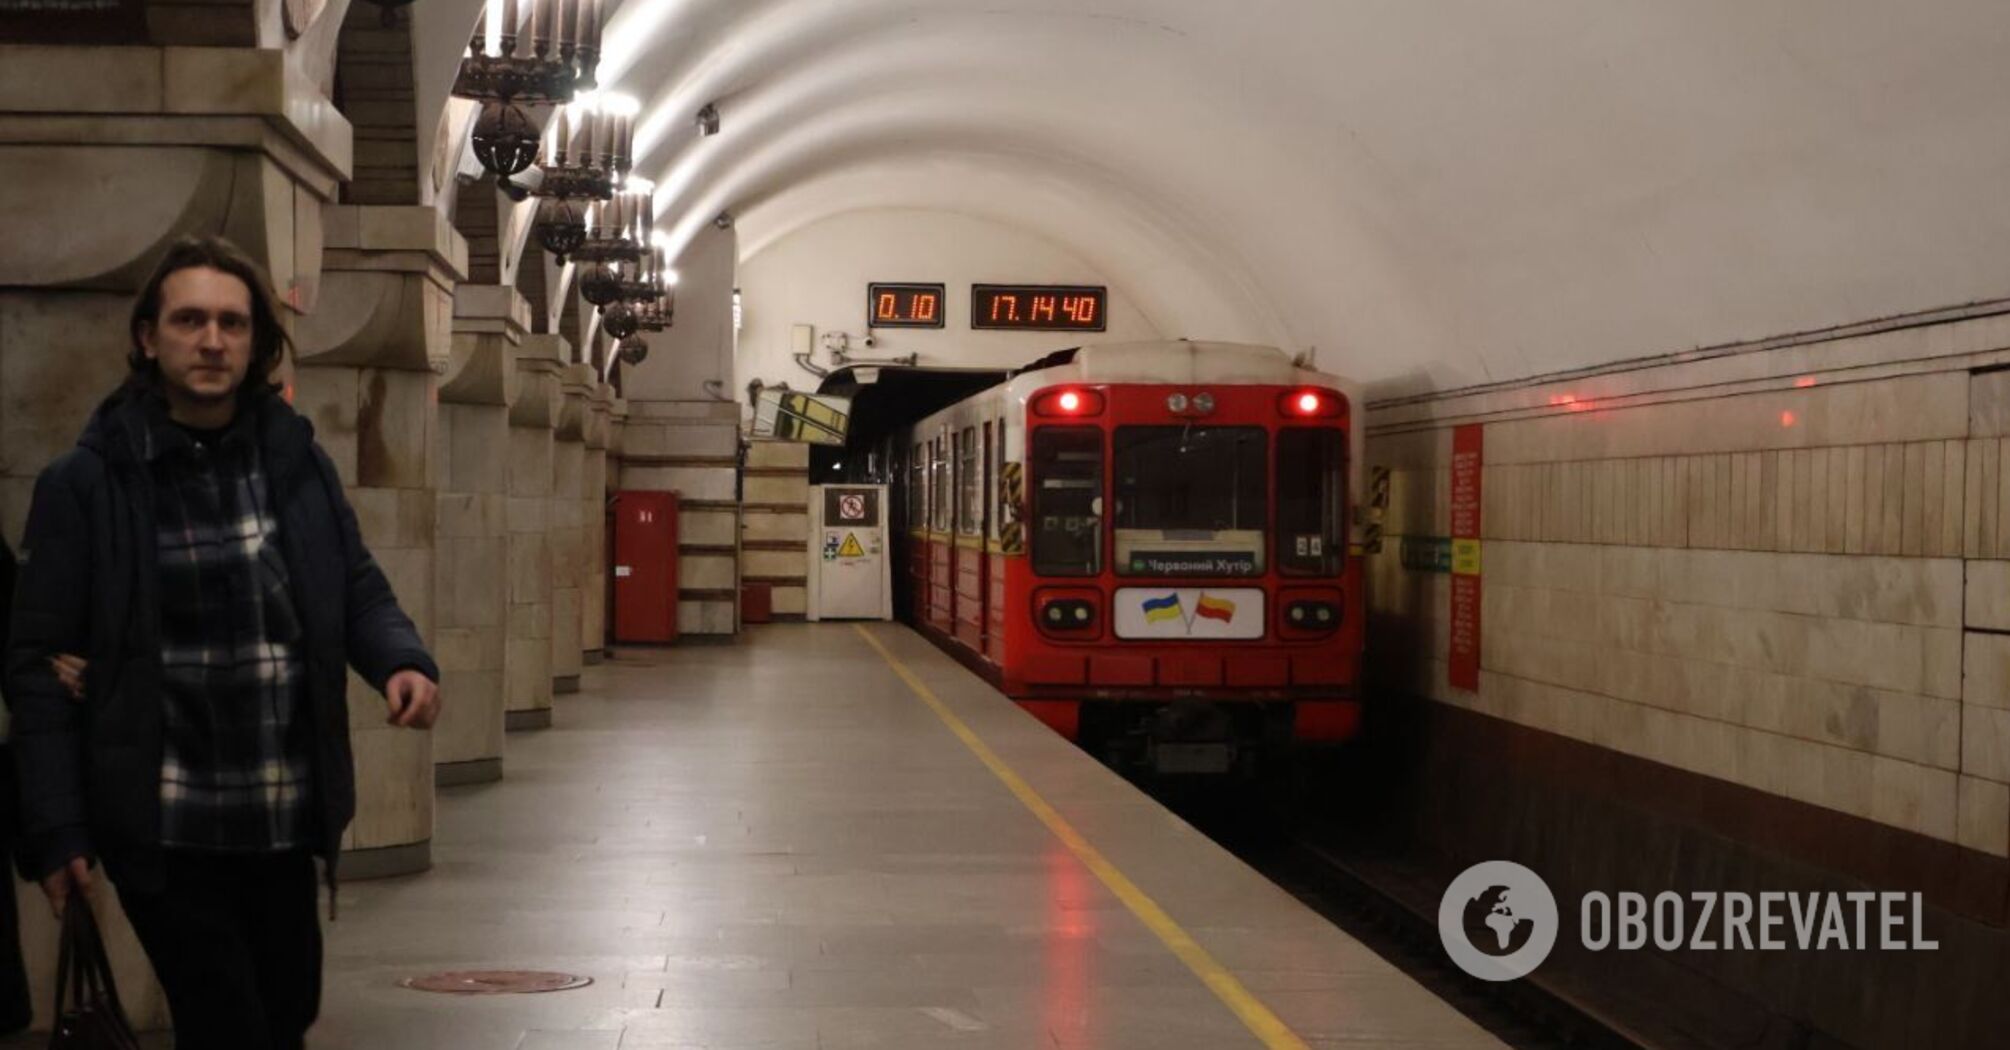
point(655, 315)
point(588, 154)
point(505, 141)
point(618, 320)
point(612, 256)
point(545, 60)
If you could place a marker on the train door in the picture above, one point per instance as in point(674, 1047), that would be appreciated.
point(981, 548)
point(941, 537)
point(914, 570)
point(994, 544)
point(968, 543)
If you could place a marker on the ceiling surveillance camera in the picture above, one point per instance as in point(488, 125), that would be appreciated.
point(724, 220)
point(708, 119)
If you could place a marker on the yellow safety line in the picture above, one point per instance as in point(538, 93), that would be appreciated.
point(1254, 1015)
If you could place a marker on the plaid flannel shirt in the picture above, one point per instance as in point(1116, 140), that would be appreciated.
point(236, 771)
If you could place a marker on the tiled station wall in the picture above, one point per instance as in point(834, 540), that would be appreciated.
point(1786, 566)
point(692, 448)
point(776, 527)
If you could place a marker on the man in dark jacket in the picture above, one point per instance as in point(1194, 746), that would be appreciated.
point(192, 585)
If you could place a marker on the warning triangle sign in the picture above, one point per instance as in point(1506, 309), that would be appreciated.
point(851, 549)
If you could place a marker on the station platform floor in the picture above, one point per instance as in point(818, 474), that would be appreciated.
point(829, 836)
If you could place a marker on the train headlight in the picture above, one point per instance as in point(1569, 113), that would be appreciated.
point(1312, 616)
point(1176, 403)
point(1203, 403)
point(1066, 615)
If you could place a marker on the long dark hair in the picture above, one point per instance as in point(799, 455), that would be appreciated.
point(268, 340)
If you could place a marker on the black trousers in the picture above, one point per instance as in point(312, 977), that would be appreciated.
point(236, 943)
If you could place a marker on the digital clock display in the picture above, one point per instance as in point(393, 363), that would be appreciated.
point(904, 305)
point(1039, 307)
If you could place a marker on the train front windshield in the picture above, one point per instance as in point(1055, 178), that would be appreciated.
point(1190, 500)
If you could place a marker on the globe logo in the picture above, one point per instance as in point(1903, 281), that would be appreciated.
point(1498, 920)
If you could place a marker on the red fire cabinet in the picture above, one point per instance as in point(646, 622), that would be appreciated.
point(644, 572)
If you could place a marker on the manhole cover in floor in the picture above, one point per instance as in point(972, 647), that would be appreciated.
point(495, 982)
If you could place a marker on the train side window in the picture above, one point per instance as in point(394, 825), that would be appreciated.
point(938, 486)
point(1311, 500)
point(969, 484)
point(917, 489)
point(1067, 469)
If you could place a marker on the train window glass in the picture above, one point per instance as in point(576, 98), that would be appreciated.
point(969, 485)
point(1067, 468)
point(989, 494)
point(938, 486)
point(1311, 500)
point(917, 489)
point(1190, 501)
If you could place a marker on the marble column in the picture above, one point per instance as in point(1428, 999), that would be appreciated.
point(471, 599)
point(568, 553)
point(532, 417)
point(593, 517)
point(369, 360)
point(107, 154)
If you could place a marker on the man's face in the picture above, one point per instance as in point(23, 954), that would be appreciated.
point(202, 340)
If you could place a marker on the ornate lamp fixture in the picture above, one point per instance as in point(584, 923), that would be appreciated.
point(655, 315)
point(587, 156)
point(618, 320)
point(505, 141)
point(616, 233)
point(632, 351)
point(558, 55)
point(560, 227)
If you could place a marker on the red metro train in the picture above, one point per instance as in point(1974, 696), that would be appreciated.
point(1147, 546)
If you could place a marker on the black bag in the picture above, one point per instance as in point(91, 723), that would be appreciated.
point(88, 1014)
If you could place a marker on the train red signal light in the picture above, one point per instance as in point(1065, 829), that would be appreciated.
point(1309, 403)
point(1068, 402)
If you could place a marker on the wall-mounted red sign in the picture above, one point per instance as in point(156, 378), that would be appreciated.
point(1468, 461)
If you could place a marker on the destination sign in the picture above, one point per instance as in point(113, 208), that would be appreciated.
point(1194, 563)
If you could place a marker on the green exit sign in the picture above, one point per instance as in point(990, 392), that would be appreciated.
point(1427, 553)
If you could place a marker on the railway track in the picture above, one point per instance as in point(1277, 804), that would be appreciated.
point(1388, 904)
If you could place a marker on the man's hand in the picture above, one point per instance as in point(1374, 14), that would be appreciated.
point(69, 671)
point(74, 877)
point(414, 700)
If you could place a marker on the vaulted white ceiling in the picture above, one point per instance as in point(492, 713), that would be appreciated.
point(1432, 192)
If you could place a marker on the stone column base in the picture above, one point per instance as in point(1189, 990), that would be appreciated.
point(472, 771)
point(565, 684)
point(408, 859)
point(529, 718)
point(594, 657)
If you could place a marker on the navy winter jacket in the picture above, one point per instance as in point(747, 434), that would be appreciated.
point(90, 771)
